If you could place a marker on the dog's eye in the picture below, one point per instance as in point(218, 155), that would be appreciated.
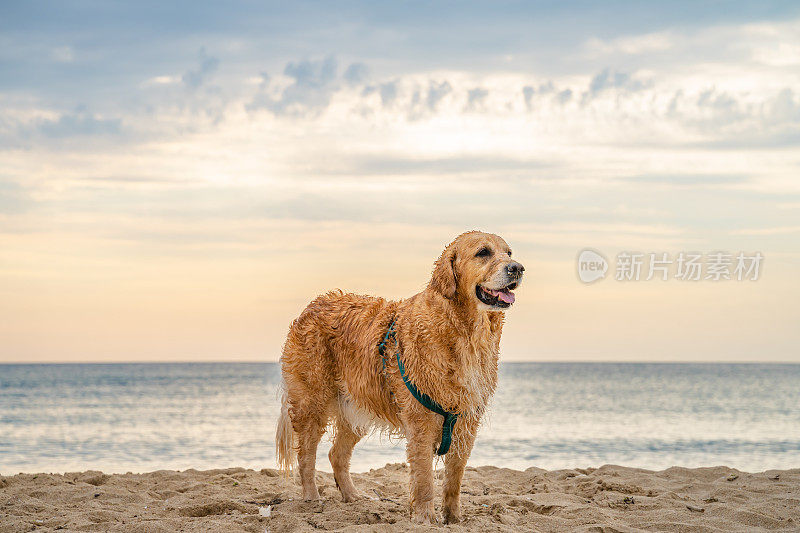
point(483, 252)
point(509, 253)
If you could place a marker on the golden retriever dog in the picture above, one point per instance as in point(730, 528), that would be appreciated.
point(344, 370)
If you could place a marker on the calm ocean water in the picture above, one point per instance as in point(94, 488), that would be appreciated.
point(142, 417)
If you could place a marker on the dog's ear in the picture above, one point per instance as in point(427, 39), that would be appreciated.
point(444, 279)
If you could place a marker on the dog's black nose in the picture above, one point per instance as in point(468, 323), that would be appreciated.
point(515, 269)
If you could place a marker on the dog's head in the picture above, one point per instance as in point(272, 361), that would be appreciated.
point(477, 267)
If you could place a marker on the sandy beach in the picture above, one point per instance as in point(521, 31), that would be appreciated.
point(606, 499)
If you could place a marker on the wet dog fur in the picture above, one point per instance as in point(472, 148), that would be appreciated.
point(448, 336)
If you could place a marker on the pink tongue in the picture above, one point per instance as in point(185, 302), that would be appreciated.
point(507, 297)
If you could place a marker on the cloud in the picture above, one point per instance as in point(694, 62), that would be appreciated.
point(13, 198)
point(79, 123)
point(689, 180)
point(312, 73)
point(313, 83)
point(564, 96)
point(720, 103)
point(194, 79)
point(135, 180)
point(356, 73)
point(63, 54)
point(780, 230)
point(162, 80)
point(388, 92)
point(527, 94)
point(784, 108)
point(437, 92)
point(426, 102)
point(731, 120)
point(476, 98)
point(547, 88)
point(632, 45)
point(382, 165)
point(608, 79)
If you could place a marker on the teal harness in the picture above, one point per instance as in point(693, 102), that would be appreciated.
point(426, 401)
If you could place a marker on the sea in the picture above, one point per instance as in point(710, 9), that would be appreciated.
point(145, 417)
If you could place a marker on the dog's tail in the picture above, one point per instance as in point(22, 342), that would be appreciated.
point(285, 437)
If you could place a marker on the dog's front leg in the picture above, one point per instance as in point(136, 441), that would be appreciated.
point(420, 459)
point(454, 463)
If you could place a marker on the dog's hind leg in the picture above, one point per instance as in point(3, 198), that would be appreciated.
point(309, 427)
point(340, 454)
point(307, 368)
point(311, 396)
point(310, 415)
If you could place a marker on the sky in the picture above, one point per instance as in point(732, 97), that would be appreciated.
point(179, 179)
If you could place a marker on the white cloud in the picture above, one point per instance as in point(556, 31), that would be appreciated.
point(193, 79)
point(781, 230)
point(161, 80)
point(313, 83)
point(631, 45)
point(608, 79)
point(476, 99)
point(362, 127)
point(63, 54)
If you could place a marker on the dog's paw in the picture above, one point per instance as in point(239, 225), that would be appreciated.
point(425, 516)
point(451, 516)
point(352, 497)
point(451, 509)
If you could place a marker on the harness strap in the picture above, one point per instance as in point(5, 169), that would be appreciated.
point(426, 401)
point(382, 344)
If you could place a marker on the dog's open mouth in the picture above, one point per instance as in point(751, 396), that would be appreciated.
point(501, 298)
